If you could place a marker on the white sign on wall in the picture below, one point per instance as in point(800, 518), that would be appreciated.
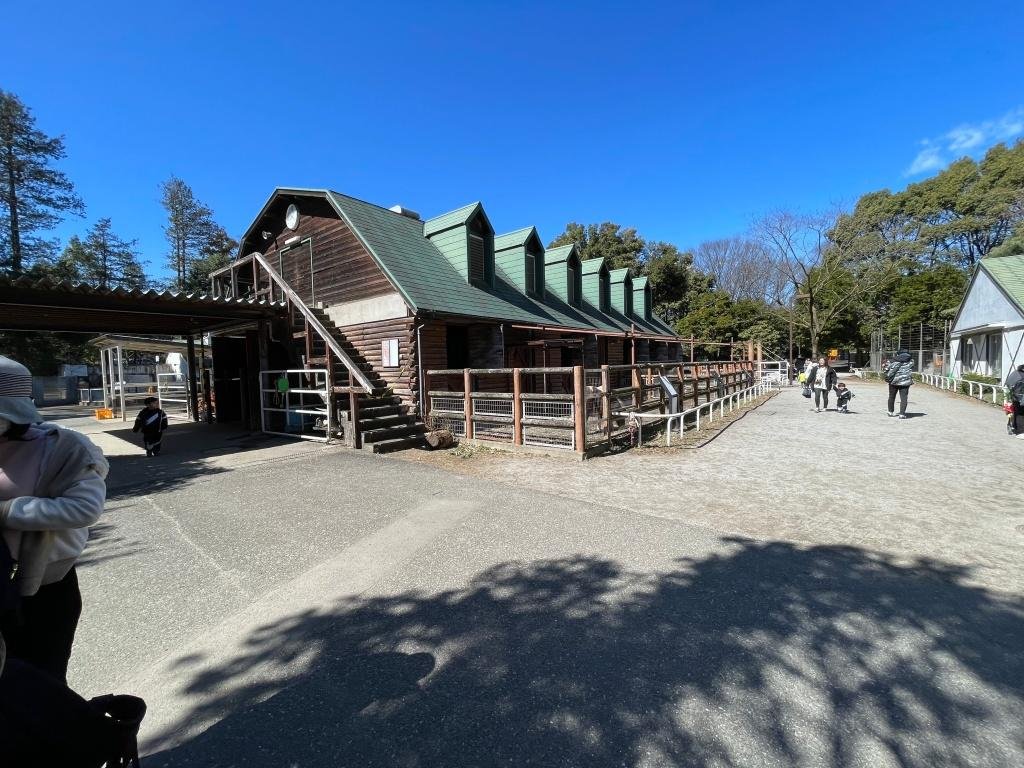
point(389, 353)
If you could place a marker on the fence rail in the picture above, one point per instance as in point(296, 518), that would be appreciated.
point(572, 408)
point(974, 389)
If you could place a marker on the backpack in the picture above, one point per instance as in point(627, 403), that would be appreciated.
point(1017, 392)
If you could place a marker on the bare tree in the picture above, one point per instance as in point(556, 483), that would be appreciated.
point(741, 267)
point(820, 280)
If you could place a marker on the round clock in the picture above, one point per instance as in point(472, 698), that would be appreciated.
point(291, 217)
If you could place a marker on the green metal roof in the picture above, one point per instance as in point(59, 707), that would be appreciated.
point(590, 266)
point(429, 283)
point(558, 253)
point(450, 219)
point(513, 239)
point(1008, 273)
point(618, 275)
point(639, 283)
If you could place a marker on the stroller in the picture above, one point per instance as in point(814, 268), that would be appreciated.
point(45, 723)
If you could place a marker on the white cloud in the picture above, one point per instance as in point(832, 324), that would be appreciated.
point(928, 159)
point(939, 152)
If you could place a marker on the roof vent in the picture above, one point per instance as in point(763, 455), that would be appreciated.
point(405, 212)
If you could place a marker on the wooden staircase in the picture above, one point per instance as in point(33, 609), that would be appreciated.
point(383, 422)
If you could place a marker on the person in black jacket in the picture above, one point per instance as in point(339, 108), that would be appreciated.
point(152, 422)
point(821, 378)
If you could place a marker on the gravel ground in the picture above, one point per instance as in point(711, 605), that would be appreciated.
point(336, 608)
point(940, 484)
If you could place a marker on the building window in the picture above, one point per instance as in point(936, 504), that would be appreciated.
point(994, 349)
point(627, 299)
point(605, 300)
point(531, 274)
point(389, 353)
point(477, 260)
point(574, 281)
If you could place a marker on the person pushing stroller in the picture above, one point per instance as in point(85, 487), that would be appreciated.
point(152, 422)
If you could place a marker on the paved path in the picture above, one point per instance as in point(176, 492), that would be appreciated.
point(337, 608)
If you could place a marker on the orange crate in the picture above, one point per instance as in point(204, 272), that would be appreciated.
point(104, 413)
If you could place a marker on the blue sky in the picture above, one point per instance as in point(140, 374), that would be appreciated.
point(685, 120)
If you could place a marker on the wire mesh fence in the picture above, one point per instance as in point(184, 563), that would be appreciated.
point(928, 343)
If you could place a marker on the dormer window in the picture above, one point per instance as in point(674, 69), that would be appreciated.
point(465, 238)
point(534, 270)
point(477, 259)
point(574, 288)
point(605, 302)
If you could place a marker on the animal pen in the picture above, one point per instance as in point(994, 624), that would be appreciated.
point(579, 409)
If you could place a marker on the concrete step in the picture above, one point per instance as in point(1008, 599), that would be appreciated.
point(387, 433)
point(396, 444)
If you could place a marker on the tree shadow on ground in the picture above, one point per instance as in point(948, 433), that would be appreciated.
point(766, 654)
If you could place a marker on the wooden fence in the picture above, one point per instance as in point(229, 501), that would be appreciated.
point(569, 408)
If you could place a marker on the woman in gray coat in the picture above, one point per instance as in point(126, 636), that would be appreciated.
point(898, 373)
point(52, 488)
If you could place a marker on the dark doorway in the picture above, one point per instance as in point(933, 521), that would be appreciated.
point(457, 344)
point(229, 377)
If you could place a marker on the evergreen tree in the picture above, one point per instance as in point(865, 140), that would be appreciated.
point(190, 229)
point(33, 195)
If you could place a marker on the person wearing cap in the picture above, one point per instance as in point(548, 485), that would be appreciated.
point(52, 488)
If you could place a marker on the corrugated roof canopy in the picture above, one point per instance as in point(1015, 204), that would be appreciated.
point(44, 305)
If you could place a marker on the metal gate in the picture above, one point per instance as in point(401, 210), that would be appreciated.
point(296, 403)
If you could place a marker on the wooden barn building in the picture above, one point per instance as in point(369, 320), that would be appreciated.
point(378, 296)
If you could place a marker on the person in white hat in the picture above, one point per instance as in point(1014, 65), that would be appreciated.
point(52, 488)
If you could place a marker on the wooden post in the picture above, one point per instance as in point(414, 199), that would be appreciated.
point(691, 349)
point(309, 344)
point(580, 408)
point(193, 393)
point(255, 280)
point(353, 407)
point(467, 389)
point(517, 407)
point(606, 401)
point(636, 382)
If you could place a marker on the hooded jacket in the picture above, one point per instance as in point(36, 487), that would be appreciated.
point(898, 372)
point(47, 532)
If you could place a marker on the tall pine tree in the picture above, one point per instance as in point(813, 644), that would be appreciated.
point(189, 229)
point(34, 196)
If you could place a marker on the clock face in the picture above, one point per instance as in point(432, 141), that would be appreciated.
point(291, 217)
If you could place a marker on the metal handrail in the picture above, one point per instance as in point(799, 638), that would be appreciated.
point(745, 395)
point(314, 323)
point(952, 383)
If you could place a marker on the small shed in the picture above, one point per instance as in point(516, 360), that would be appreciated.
point(988, 330)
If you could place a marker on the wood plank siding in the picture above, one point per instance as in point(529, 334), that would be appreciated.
point(338, 269)
point(366, 338)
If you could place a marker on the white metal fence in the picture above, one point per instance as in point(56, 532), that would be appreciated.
point(979, 390)
point(295, 403)
point(725, 404)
